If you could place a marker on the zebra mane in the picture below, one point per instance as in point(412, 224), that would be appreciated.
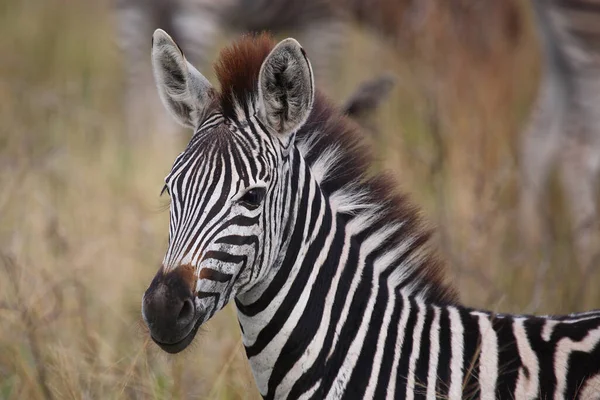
point(237, 70)
point(340, 160)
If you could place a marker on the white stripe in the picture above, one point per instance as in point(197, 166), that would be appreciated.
point(488, 360)
point(378, 359)
point(577, 318)
point(564, 348)
point(548, 329)
point(591, 389)
point(456, 362)
point(310, 392)
point(526, 388)
point(410, 386)
point(434, 339)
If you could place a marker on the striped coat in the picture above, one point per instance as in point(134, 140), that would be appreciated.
point(273, 207)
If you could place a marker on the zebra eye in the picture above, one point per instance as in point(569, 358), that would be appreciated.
point(253, 197)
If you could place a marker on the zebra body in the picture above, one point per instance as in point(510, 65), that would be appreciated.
point(197, 26)
point(562, 129)
point(564, 126)
point(337, 295)
point(397, 345)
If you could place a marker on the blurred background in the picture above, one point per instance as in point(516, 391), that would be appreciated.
point(83, 230)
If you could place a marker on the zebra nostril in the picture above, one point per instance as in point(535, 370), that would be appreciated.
point(186, 314)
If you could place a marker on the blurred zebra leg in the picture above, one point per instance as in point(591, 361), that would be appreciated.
point(580, 164)
point(143, 112)
point(198, 25)
point(540, 144)
point(547, 127)
point(323, 41)
point(579, 173)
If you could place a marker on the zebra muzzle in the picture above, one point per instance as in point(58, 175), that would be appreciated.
point(170, 311)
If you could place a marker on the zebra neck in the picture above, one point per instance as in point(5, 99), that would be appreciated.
point(334, 271)
point(297, 297)
point(309, 227)
point(343, 310)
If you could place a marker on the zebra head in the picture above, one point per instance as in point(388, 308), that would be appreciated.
point(228, 188)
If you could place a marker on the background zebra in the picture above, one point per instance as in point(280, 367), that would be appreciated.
point(564, 127)
point(336, 291)
point(198, 24)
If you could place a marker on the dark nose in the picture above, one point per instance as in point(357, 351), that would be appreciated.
point(168, 307)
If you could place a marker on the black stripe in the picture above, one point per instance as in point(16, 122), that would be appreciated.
point(213, 274)
point(407, 345)
point(471, 355)
point(443, 370)
point(390, 349)
point(422, 366)
point(509, 360)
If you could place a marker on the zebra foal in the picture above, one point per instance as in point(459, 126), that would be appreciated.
point(337, 295)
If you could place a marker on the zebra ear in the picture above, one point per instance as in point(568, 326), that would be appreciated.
point(286, 87)
point(184, 91)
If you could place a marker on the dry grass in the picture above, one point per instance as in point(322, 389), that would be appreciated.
point(82, 231)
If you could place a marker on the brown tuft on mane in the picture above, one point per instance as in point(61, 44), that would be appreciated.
point(238, 67)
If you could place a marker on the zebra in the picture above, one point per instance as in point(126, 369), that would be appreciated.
point(337, 291)
point(564, 126)
point(477, 25)
point(197, 26)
